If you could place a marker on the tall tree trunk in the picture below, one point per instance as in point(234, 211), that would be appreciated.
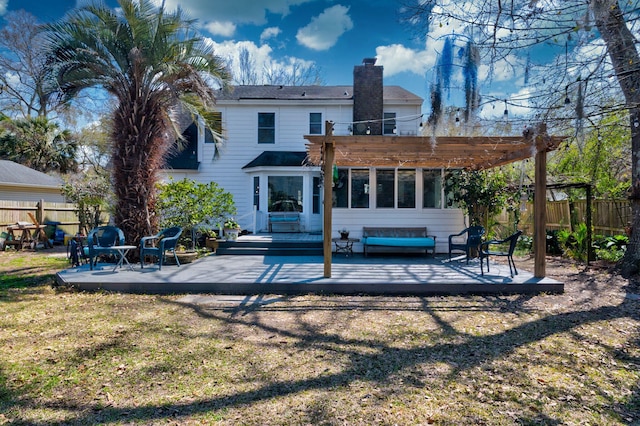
point(139, 150)
point(626, 63)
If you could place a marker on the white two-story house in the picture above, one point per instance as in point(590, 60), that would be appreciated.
point(262, 161)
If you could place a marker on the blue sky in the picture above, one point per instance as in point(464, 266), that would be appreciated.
point(334, 35)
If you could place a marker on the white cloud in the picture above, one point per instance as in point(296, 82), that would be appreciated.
point(238, 11)
point(268, 33)
point(3, 6)
point(324, 30)
point(397, 58)
point(225, 29)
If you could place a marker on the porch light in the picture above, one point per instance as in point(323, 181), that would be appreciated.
point(368, 130)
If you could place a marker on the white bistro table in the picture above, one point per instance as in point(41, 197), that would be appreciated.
point(122, 256)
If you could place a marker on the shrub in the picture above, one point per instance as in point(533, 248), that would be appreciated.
point(610, 248)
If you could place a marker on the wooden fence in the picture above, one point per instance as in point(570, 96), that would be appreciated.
point(64, 214)
point(609, 217)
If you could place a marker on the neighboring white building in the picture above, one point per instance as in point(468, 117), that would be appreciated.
point(262, 161)
point(21, 183)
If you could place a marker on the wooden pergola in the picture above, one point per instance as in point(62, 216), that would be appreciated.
point(457, 152)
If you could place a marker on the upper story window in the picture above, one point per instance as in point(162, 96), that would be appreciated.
point(315, 123)
point(217, 127)
point(266, 127)
point(389, 123)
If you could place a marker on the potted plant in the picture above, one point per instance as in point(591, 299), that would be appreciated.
point(231, 229)
point(344, 233)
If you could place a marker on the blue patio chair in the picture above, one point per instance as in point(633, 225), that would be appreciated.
point(101, 239)
point(161, 243)
point(506, 248)
point(473, 240)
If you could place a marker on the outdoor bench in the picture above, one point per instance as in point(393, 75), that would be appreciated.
point(284, 222)
point(400, 237)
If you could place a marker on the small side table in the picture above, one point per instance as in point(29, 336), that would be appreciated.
point(122, 256)
point(345, 245)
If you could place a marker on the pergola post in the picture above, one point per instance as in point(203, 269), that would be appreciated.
point(328, 154)
point(540, 206)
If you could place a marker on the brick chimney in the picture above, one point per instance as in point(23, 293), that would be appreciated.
point(367, 97)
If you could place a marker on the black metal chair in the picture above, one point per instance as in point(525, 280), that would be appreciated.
point(508, 246)
point(164, 241)
point(101, 239)
point(473, 240)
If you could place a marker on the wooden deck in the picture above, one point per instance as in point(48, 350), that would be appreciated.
point(290, 275)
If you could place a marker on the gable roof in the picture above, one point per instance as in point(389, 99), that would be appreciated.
point(274, 92)
point(14, 174)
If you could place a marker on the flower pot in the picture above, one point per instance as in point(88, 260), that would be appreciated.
point(344, 235)
point(231, 234)
point(183, 257)
point(211, 243)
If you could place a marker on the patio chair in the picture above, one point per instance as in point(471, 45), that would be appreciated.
point(77, 253)
point(473, 240)
point(101, 240)
point(505, 248)
point(164, 241)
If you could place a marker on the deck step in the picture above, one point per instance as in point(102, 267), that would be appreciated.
point(271, 248)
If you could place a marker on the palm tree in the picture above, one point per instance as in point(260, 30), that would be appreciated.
point(154, 65)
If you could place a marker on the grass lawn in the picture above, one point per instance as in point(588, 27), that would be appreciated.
point(68, 357)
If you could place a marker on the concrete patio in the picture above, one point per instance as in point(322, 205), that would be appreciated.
point(290, 275)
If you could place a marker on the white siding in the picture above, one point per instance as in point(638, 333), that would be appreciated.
point(13, 193)
point(240, 119)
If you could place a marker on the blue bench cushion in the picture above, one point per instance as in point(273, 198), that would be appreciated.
point(400, 241)
point(284, 218)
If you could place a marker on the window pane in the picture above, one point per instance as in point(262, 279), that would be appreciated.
point(406, 189)
point(385, 188)
point(360, 188)
point(341, 189)
point(389, 125)
point(266, 119)
point(256, 192)
point(285, 193)
point(448, 196)
point(266, 127)
point(316, 195)
point(315, 123)
point(431, 188)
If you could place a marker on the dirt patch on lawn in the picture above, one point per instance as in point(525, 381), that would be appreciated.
point(585, 287)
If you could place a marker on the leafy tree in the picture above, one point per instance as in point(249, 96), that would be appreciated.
point(603, 160)
point(38, 143)
point(481, 194)
point(189, 204)
point(151, 61)
point(593, 40)
point(91, 194)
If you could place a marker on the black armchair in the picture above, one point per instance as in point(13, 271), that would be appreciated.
point(508, 247)
point(164, 241)
point(472, 241)
point(101, 240)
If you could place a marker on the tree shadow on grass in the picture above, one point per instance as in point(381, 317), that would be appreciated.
point(379, 363)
